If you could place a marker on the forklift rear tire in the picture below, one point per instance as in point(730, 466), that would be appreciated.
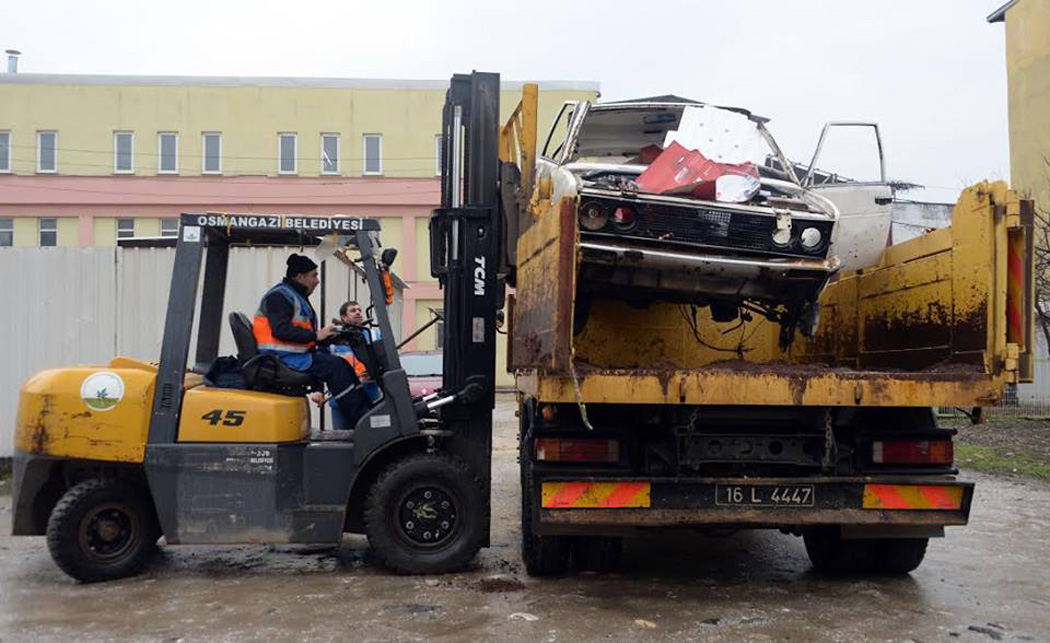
point(425, 515)
point(831, 554)
point(102, 530)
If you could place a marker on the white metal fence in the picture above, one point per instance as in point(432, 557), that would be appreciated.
point(1024, 400)
point(86, 305)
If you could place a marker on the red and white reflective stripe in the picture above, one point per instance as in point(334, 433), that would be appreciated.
point(595, 495)
point(910, 496)
point(287, 348)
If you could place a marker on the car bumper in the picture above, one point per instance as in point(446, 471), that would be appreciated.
point(707, 273)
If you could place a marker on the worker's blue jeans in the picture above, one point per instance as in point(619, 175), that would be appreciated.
point(339, 375)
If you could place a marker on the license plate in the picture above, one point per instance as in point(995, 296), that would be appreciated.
point(794, 495)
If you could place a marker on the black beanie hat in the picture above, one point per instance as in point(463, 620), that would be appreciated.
point(298, 264)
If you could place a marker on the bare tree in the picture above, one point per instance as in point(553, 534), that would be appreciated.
point(1042, 267)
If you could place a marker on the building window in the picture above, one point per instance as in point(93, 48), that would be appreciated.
point(49, 232)
point(168, 146)
point(212, 146)
point(169, 227)
point(373, 154)
point(125, 228)
point(286, 154)
point(123, 152)
point(439, 156)
point(47, 152)
point(7, 231)
point(329, 154)
point(439, 328)
point(5, 152)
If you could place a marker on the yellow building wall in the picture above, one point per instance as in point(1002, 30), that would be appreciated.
point(249, 118)
point(391, 237)
point(1028, 79)
point(422, 250)
point(427, 340)
point(26, 231)
point(67, 231)
point(105, 231)
point(147, 227)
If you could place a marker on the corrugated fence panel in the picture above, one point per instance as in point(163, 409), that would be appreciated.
point(1038, 392)
point(87, 305)
point(61, 311)
point(143, 281)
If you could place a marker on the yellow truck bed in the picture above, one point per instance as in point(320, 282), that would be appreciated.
point(945, 319)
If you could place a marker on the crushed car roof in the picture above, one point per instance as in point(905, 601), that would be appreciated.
point(673, 100)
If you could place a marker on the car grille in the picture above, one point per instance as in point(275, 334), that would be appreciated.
point(711, 227)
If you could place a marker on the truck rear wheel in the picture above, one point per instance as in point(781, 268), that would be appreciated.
point(831, 554)
point(542, 555)
point(425, 515)
point(102, 530)
point(597, 553)
point(901, 556)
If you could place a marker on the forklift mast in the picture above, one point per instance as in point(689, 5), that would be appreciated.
point(465, 234)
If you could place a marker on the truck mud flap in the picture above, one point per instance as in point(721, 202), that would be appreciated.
point(751, 502)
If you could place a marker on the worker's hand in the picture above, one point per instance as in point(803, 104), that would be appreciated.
point(326, 332)
point(317, 398)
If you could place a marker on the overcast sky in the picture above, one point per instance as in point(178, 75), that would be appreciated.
point(931, 73)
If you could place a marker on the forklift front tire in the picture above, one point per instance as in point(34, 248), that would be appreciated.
point(425, 515)
point(102, 530)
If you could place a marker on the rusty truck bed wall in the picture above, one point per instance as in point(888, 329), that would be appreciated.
point(927, 326)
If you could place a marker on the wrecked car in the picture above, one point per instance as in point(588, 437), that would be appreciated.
point(696, 204)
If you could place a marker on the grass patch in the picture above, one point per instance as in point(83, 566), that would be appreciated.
point(994, 461)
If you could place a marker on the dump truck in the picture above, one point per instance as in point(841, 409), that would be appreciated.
point(642, 406)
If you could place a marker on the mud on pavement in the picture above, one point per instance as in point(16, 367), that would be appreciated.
point(985, 582)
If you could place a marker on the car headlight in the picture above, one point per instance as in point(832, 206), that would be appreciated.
point(624, 218)
point(811, 238)
point(782, 236)
point(593, 216)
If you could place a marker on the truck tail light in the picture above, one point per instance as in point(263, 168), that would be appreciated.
point(573, 450)
point(912, 452)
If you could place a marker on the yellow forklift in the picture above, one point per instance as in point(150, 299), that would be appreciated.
point(110, 458)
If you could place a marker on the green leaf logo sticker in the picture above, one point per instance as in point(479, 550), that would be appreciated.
point(102, 391)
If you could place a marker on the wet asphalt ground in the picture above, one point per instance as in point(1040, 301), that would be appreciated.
point(985, 582)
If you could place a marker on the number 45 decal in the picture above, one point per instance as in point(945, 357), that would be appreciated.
point(233, 418)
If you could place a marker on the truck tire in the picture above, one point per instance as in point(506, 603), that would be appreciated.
point(426, 515)
point(102, 530)
point(599, 554)
point(542, 555)
point(901, 556)
point(831, 554)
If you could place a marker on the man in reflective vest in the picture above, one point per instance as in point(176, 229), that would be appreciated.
point(286, 325)
point(351, 313)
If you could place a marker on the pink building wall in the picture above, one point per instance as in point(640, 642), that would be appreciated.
point(87, 197)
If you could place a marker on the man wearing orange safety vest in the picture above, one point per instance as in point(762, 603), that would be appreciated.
point(351, 314)
point(286, 325)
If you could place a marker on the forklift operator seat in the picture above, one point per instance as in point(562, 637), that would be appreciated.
point(266, 372)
